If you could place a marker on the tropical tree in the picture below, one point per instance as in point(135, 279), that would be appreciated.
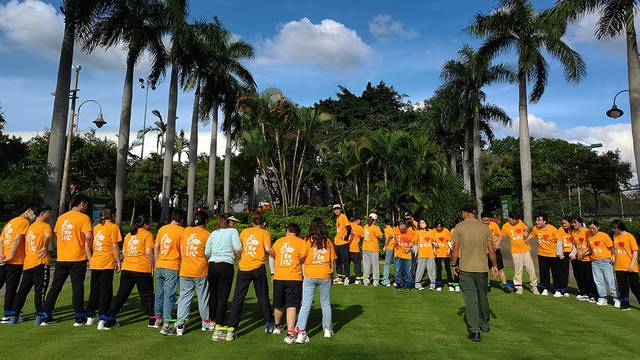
point(182, 144)
point(464, 80)
point(515, 24)
point(616, 18)
point(159, 127)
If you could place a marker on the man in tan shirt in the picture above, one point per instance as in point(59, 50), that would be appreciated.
point(472, 240)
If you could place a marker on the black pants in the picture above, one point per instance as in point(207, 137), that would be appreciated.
point(220, 281)
point(549, 266)
point(627, 280)
point(584, 278)
point(260, 285)
point(10, 276)
point(128, 279)
point(563, 267)
point(447, 268)
point(342, 261)
point(356, 259)
point(101, 292)
point(64, 269)
point(38, 278)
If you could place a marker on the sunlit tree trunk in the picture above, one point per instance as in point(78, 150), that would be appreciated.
point(193, 155)
point(525, 151)
point(211, 178)
point(123, 139)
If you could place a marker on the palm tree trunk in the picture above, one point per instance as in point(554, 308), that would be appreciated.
point(525, 151)
point(227, 173)
point(453, 161)
point(193, 155)
point(633, 68)
point(477, 165)
point(368, 188)
point(466, 166)
point(213, 156)
point(169, 146)
point(57, 134)
point(123, 139)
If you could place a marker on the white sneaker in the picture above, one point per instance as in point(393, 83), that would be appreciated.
point(432, 287)
point(545, 292)
point(452, 289)
point(5, 320)
point(557, 294)
point(419, 287)
point(439, 289)
point(357, 282)
point(180, 330)
point(337, 281)
point(395, 284)
point(289, 339)
point(519, 290)
point(77, 324)
point(91, 320)
point(457, 288)
point(302, 338)
point(582, 298)
point(592, 300)
point(616, 303)
point(101, 325)
point(157, 324)
point(328, 333)
point(346, 282)
point(601, 302)
point(388, 285)
point(566, 294)
point(277, 330)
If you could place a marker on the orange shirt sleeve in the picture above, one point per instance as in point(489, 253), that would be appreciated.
point(86, 225)
point(148, 242)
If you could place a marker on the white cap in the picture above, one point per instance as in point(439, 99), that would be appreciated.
point(374, 216)
point(337, 206)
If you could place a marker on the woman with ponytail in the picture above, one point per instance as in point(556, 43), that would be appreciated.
point(104, 262)
point(137, 268)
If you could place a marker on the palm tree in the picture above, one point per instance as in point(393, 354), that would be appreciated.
point(182, 144)
point(464, 78)
point(139, 24)
point(160, 128)
point(78, 16)
point(616, 18)
point(515, 24)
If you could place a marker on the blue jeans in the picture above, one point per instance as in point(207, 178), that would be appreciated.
point(388, 257)
point(403, 273)
point(166, 286)
point(308, 289)
point(188, 286)
point(603, 275)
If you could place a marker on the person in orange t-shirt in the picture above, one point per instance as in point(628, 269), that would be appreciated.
point(496, 234)
point(256, 244)
point(442, 241)
point(548, 262)
point(565, 251)
point(371, 250)
point(36, 264)
point(403, 246)
point(319, 259)
point(193, 273)
point(582, 269)
point(626, 265)
point(517, 231)
point(426, 256)
point(105, 260)
point(167, 252)
point(137, 267)
point(74, 235)
point(602, 260)
point(12, 260)
point(288, 255)
point(355, 257)
point(341, 241)
point(389, 258)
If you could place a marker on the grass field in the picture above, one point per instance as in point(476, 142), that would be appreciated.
point(370, 323)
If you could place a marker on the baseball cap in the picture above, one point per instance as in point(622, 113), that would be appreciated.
point(337, 206)
point(232, 218)
point(374, 216)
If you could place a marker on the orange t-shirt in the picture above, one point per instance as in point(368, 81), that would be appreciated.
point(601, 245)
point(517, 240)
point(134, 250)
point(495, 230)
point(389, 233)
point(287, 258)
point(625, 245)
point(104, 237)
point(565, 237)
point(547, 239)
point(168, 238)
point(16, 226)
point(370, 238)
point(194, 263)
point(442, 238)
point(70, 229)
point(254, 239)
point(403, 246)
point(424, 240)
point(34, 241)
point(356, 234)
point(580, 242)
point(317, 264)
point(341, 229)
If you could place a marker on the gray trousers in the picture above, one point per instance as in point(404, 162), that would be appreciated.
point(370, 262)
point(430, 265)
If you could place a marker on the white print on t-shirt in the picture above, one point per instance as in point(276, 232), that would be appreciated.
point(286, 254)
point(7, 234)
point(67, 230)
point(191, 248)
point(98, 244)
point(132, 246)
point(31, 241)
point(251, 246)
point(424, 242)
point(319, 256)
point(165, 243)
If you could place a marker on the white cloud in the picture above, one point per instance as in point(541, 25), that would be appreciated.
point(383, 27)
point(36, 26)
point(329, 44)
point(583, 32)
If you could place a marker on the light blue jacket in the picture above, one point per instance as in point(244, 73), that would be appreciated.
point(222, 246)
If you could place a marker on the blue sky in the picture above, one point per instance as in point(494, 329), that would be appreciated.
point(309, 48)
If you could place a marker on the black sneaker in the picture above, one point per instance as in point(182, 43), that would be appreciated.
point(474, 336)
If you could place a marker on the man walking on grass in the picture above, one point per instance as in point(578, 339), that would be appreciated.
point(473, 241)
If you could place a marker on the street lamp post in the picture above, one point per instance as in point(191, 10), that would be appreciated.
point(145, 86)
point(615, 112)
point(590, 147)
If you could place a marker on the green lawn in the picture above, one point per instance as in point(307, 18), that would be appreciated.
point(371, 323)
